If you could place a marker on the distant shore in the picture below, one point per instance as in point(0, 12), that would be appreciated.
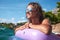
point(56, 28)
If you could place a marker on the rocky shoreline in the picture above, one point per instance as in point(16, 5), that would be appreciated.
point(56, 28)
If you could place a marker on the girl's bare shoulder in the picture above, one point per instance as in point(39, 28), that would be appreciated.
point(46, 21)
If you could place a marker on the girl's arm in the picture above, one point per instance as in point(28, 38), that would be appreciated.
point(45, 27)
point(22, 27)
point(48, 28)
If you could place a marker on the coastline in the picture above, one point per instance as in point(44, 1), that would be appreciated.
point(56, 28)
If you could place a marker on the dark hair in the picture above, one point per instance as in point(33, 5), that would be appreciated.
point(39, 10)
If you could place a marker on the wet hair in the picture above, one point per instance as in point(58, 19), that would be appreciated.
point(39, 10)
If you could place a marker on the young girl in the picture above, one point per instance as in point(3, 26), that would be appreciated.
point(36, 20)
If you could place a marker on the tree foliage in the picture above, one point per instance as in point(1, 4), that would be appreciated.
point(51, 16)
point(58, 4)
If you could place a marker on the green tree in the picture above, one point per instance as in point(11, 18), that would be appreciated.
point(58, 17)
point(58, 4)
point(21, 23)
point(51, 16)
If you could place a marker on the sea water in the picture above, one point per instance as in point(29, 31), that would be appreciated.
point(7, 34)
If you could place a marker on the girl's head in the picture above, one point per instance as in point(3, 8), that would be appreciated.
point(34, 10)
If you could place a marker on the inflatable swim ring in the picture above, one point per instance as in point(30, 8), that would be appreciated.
point(32, 34)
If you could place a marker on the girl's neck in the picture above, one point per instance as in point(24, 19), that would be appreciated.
point(36, 21)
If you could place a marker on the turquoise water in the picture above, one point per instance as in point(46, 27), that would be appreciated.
point(5, 33)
